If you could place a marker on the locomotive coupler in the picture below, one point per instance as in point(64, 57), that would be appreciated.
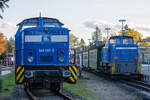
point(46, 84)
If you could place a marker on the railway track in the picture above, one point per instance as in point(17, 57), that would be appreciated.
point(138, 84)
point(47, 96)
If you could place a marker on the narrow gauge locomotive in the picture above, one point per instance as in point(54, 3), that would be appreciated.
point(42, 54)
point(119, 56)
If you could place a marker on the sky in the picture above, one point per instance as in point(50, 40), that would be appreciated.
point(80, 16)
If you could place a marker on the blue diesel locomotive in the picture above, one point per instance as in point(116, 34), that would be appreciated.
point(119, 56)
point(42, 54)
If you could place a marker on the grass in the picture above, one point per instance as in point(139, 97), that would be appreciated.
point(81, 89)
point(7, 82)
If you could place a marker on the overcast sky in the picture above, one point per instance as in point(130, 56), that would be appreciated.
point(80, 16)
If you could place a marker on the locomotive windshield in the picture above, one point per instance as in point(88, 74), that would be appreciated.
point(46, 36)
point(114, 40)
point(117, 40)
point(128, 40)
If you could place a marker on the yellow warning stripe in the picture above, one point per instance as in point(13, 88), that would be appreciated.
point(19, 67)
point(73, 73)
point(20, 73)
point(113, 68)
point(74, 68)
point(21, 80)
point(139, 68)
point(71, 78)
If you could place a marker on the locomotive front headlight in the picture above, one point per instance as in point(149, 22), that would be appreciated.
point(28, 74)
point(61, 58)
point(66, 73)
point(30, 58)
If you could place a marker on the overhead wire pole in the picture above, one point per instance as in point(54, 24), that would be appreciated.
point(89, 41)
point(122, 21)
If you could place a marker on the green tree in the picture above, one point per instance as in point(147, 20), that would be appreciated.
point(73, 41)
point(3, 5)
point(82, 42)
point(126, 27)
point(97, 35)
point(11, 45)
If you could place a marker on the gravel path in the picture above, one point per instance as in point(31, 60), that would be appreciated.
point(105, 90)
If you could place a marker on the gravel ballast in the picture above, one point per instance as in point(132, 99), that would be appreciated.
point(106, 90)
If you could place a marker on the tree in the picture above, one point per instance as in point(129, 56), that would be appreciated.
point(3, 43)
point(11, 45)
point(97, 35)
point(130, 32)
point(2, 57)
point(3, 5)
point(104, 39)
point(73, 41)
point(126, 27)
point(133, 33)
point(82, 43)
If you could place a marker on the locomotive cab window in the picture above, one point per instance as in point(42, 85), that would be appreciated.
point(117, 40)
point(114, 40)
point(128, 41)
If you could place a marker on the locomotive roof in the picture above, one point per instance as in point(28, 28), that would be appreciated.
point(34, 21)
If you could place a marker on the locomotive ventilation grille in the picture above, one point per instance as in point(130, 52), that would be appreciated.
point(46, 58)
point(127, 54)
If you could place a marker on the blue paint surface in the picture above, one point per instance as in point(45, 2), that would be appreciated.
point(126, 51)
point(44, 51)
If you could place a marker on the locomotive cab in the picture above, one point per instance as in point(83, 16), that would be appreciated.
point(120, 56)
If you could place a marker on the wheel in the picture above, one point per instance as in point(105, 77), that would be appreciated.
point(139, 77)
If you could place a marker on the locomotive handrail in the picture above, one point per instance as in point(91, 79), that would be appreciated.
point(39, 22)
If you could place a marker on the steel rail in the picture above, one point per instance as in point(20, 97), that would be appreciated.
point(60, 94)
